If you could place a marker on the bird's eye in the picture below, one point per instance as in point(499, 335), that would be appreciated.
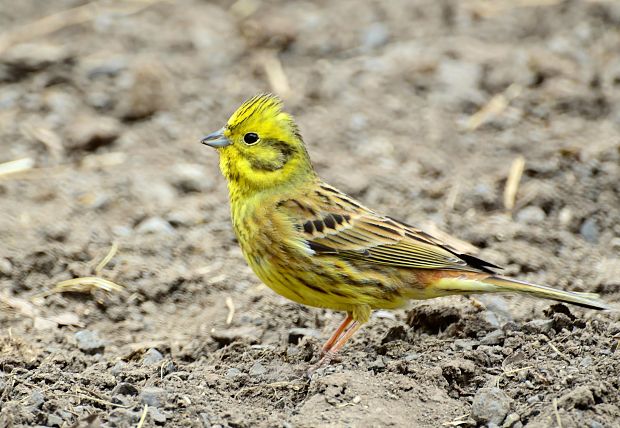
point(250, 138)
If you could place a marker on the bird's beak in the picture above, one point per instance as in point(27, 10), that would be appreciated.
point(216, 139)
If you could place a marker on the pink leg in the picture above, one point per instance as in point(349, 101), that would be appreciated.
point(336, 335)
point(329, 355)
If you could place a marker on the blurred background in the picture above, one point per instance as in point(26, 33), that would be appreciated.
point(494, 125)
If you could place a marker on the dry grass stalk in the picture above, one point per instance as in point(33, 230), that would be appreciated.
point(495, 107)
point(15, 166)
point(512, 183)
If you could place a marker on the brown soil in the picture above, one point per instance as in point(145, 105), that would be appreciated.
point(111, 110)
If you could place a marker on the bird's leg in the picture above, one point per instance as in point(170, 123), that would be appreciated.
point(329, 355)
point(336, 335)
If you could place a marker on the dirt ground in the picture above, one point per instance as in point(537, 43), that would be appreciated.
point(417, 108)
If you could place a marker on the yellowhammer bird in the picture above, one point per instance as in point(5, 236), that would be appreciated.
point(315, 245)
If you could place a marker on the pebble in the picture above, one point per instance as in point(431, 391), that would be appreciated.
point(109, 66)
point(496, 337)
point(376, 35)
point(589, 230)
point(412, 356)
point(586, 362)
point(538, 326)
point(190, 177)
point(36, 399)
point(118, 368)
point(54, 420)
point(531, 215)
point(377, 365)
point(233, 373)
point(155, 225)
point(89, 342)
point(459, 80)
point(465, 344)
point(152, 356)
point(89, 133)
point(168, 367)
point(490, 405)
point(153, 396)
point(146, 90)
point(565, 216)
point(512, 420)
point(257, 369)
point(34, 56)
point(533, 399)
point(157, 415)
point(6, 267)
point(295, 334)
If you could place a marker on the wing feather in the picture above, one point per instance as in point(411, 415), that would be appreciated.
point(333, 223)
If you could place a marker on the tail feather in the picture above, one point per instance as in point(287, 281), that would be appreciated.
point(500, 284)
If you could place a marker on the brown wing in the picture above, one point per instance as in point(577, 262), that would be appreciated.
point(333, 223)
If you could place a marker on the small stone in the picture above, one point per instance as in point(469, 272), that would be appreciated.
point(295, 334)
point(257, 369)
point(465, 344)
point(538, 326)
point(168, 367)
point(89, 342)
point(565, 216)
point(157, 415)
point(531, 215)
point(155, 225)
point(146, 90)
point(41, 323)
point(6, 267)
point(579, 398)
point(89, 133)
point(29, 57)
point(412, 356)
point(54, 420)
point(36, 399)
point(233, 373)
point(152, 356)
point(377, 365)
point(190, 177)
point(108, 66)
point(533, 399)
point(490, 405)
point(206, 422)
point(589, 230)
point(118, 368)
point(125, 388)
point(375, 36)
point(511, 420)
point(153, 396)
point(496, 337)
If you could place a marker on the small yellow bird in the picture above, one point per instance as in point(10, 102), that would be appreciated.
point(315, 245)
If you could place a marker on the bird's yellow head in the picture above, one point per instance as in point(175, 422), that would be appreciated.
point(260, 147)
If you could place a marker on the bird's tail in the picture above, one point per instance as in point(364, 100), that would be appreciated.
point(500, 284)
